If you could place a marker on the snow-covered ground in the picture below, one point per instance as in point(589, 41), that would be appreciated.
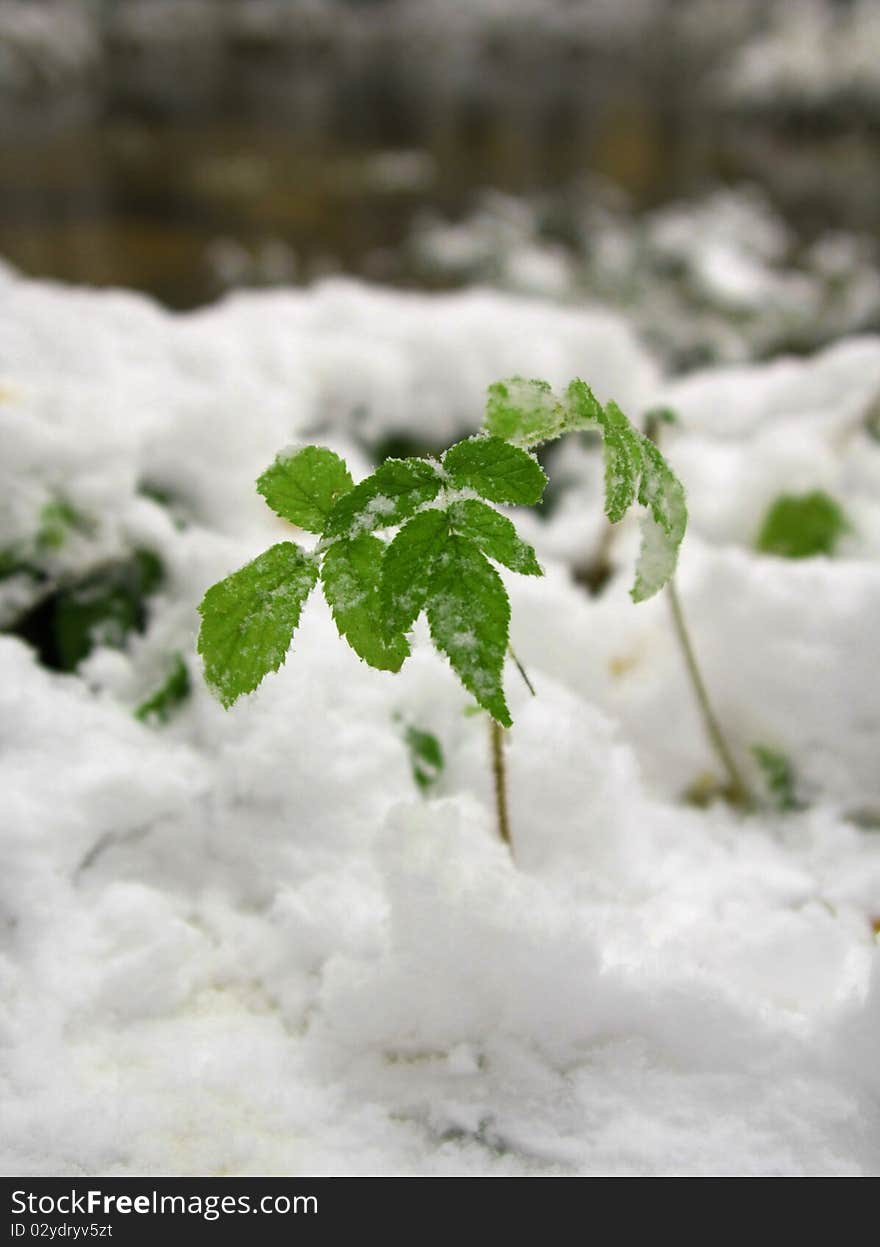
point(243, 942)
point(720, 278)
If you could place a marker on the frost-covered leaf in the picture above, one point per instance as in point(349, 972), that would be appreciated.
point(663, 527)
point(582, 409)
point(351, 574)
point(495, 534)
point(169, 697)
point(523, 411)
point(391, 495)
point(408, 568)
point(496, 469)
point(425, 757)
point(302, 487)
point(801, 526)
point(248, 619)
point(621, 445)
point(469, 617)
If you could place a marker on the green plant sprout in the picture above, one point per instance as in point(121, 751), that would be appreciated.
point(631, 458)
point(421, 536)
point(801, 526)
point(779, 778)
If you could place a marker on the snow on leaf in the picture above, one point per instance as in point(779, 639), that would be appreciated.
point(469, 617)
point(248, 619)
point(634, 467)
point(495, 535)
point(393, 493)
point(408, 568)
point(621, 445)
point(663, 527)
point(524, 412)
point(304, 486)
point(496, 469)
point(350, 575)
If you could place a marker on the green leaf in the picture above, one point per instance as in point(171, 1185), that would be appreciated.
point(779, 777)
point(168, 697)
point(582, 409)
point(469, 617)
point(248, 619)
point(495, 534)
point(102, 608)
point(663, 527)
point(496, 469)
point(425, 757)
point(391, 495)
point(57, 520)
point(302, 487)
point(409, 566)
point(622, 446)
point(351, 578)
point(801, 526)
point(524, 412)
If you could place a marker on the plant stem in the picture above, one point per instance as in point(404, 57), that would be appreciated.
point(499, 775)
point(738, 790)
point(521, 669)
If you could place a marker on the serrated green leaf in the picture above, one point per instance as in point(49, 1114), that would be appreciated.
point(582, 409)
point(496, 469)
point(408, 567)
point(801, 526)
point(469, 617)
point(635, 468)
point(621, 446)
point(248, 619)
point(523, 411)
point(425, 757)
point(351, 574)
point(168, 698)
point(663, 527)
point(304, 486)
point(495, 535)
point(391, 495)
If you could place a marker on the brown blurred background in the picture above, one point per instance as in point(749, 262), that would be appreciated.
point(183, 147)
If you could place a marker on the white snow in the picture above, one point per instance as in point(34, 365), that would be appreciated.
point(244, 943)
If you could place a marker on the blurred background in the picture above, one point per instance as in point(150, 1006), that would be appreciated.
point(710, 168)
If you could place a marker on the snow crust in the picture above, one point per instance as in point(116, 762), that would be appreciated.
point(244, 943)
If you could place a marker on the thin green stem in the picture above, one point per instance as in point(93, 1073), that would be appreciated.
point(521, 669)
point(738, 790)
point(499, 776)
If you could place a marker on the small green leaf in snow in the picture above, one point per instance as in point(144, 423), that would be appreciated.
point(469, 617)
point(303, 487)
point(350, 575)
point(496, 470)
point(391, 495)
point(248, 619)
point(495, 534)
